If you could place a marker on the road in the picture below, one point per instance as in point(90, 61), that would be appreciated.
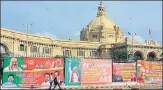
point(108, 87)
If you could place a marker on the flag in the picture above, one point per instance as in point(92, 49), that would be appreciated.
point(129, 33)
point(150, 31)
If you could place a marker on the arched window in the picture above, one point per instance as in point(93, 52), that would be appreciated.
point(22, 47)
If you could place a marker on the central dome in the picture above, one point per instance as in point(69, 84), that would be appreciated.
point(102, 29)
point(101, 20)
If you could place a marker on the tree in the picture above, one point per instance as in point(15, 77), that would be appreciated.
point(59, 56)
point(118, 55)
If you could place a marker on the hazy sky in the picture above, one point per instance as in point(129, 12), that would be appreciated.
point(65, 19)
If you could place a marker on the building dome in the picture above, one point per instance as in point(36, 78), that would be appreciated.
point(101, 21)
point(102, 29)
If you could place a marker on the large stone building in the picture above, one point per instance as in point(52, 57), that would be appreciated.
point(97, 40)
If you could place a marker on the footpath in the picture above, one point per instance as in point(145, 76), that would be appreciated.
point(114, 86)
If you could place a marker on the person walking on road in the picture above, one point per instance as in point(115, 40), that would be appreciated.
point(56, 80)
point(51, 81)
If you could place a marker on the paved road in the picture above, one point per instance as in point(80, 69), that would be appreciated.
point(108, 87)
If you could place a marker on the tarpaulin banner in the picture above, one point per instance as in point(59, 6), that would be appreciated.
point(124, 72)
point(31, 72)
point(96, 71)
point(72, 72)
point(149, 71)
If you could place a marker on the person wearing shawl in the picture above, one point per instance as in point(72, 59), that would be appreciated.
point(13, 66)
point(74, 75)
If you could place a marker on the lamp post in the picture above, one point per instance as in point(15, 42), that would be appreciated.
point(27, 29)
point(132, 46)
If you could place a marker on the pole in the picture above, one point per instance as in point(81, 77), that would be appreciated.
point(13, 43)
point(132, 46)
point(27, 41)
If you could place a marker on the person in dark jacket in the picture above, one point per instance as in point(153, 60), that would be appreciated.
point(56, 80)
point(51, 81)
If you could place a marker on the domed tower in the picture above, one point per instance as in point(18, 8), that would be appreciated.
point(102, 29)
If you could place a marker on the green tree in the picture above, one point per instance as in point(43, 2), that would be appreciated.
point(118, 54)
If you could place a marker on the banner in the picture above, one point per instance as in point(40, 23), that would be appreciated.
point(72, 72)
point(32, 72)
point(124, 72)
point(96, 71)
point(149, 71)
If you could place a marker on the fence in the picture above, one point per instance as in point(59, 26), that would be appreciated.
point(35, 72)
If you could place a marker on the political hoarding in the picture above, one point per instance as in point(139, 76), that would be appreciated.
point(124, 72)
point(96, 72)
point(31, 72)
point(72, 72)
point(149, 71)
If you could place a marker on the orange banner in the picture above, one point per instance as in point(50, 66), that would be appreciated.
point(37, 71)
point(96, 71)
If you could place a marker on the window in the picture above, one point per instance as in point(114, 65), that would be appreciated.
point(50, 51)
point(67, 53)
point(100, 27)
point(93, 53)
point(38, 49)
point(33, 49)
point(80, 53)
point(110, 36)
point(46, 50)
point(21, 47)
point(94, 36)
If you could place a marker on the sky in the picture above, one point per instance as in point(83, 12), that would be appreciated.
point(65, 19)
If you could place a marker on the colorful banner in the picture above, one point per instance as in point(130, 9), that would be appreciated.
point(96, 71)
point(149, 71)
point(32, 72)
point(72, 72)
point(124, 72)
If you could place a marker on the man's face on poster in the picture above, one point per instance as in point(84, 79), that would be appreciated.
point(14, 62)
point(10, 78)
point(46, 77)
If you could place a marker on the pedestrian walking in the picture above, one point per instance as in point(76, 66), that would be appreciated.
point(51, 81)
point(56, 80)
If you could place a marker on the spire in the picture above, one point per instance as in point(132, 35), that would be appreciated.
point(101, 9)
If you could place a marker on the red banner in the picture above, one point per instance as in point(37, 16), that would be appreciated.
point(124, 72)
point(96, 71)
point(149, 71)
point(37, 71)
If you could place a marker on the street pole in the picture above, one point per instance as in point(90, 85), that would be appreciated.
point(27, 40)
point(132, 46)
point(13, 43)
point(27, 29)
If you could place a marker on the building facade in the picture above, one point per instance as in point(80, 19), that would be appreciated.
point(97, 40)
